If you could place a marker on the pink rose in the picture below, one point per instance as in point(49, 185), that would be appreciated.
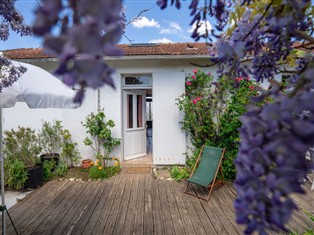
point(188, 83)
point(251, 87)
point(195, 71)
point(239, 79)
point(193, 77)
point(198, 98)
point(194, 101)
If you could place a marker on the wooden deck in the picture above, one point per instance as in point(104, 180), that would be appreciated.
point(132, 204)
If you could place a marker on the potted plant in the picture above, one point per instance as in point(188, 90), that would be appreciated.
point(23, 167)
point(69, 156)
point(51, 140)
point(100, 130)
point(60, 152)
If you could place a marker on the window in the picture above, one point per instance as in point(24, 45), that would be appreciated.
point(141, 80)
point(134, 111)
point(139, 111)
point(129, 111)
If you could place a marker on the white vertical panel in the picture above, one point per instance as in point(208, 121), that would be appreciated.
point(169, 142)
point(110, 101)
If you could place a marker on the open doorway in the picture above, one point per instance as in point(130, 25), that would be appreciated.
point(137, 116)
point(137, 123)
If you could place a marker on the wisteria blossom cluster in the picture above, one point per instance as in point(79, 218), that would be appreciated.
point(11, 20)
point(201, 11)
point(88, 31)
point(8, 72)
point(273, 157)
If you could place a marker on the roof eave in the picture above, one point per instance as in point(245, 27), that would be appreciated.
point(126, 58)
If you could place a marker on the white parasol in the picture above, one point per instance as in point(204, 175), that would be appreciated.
point(38, 89)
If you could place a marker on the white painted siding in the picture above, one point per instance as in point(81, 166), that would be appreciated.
point(169, 143)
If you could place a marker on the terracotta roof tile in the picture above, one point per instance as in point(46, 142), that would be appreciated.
point(190, 48)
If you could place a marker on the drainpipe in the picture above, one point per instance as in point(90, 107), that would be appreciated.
point(98, 100)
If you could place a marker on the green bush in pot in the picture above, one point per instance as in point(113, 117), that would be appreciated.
point(51, 138)
point(21, 149)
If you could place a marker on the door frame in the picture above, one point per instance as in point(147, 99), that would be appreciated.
point(124, 91)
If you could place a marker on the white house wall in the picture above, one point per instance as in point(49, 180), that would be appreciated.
point(169, 141)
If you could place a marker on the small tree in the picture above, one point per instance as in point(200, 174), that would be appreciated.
point(100, 131)
point(51, 137)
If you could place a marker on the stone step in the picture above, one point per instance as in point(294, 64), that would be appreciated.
point(137, 164)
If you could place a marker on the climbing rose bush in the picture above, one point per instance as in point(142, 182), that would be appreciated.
point(228, 135)
point(197, 104)
point(212, 111)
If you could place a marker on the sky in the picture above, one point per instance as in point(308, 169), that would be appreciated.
point(154, 26)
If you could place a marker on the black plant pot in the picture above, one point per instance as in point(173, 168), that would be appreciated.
point(50, 157)
point(35, 177)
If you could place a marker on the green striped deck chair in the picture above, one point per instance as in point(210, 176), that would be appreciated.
point(205, 170)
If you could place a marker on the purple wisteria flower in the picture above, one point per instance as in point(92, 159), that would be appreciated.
point(12, 20)
point(89, 31)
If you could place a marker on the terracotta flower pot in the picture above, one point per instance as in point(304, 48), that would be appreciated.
point(86, 163)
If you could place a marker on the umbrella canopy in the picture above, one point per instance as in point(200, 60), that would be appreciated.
point(38, 89)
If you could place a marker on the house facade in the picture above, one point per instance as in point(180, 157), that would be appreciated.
point(148, 79)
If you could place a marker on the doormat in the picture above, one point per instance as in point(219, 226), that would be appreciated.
point(137, 170)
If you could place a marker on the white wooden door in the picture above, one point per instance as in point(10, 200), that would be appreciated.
point(134, 138)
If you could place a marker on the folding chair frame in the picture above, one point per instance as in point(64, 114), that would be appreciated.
point(214, 182)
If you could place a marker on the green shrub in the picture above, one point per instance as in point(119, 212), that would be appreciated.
point(17, 175)
point(70, 156)
point(212, 112)
point(100, 130)
point(61, 169)
point(97, 172)
point(48, 167)
point(179, 173)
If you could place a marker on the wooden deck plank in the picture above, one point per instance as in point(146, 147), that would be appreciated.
point(197, 224)
point(157, 217)
point(92, 203)
point(104, 216)
point(228, 203)
point(135, 204)
point(212, 225)
point(139, 213)
point(123, 212)
point(33, 214)
point(64, 218)
point(129, 220)
point(176, 218)
point(165, 211)
point(40, 217)
point(148, 207)
point(177, 192)
point(29, 200)
point(52, 213)
point(224, 205)
point(25, 209)
point(107, 185)
point(113, 215)
point(71, 216)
